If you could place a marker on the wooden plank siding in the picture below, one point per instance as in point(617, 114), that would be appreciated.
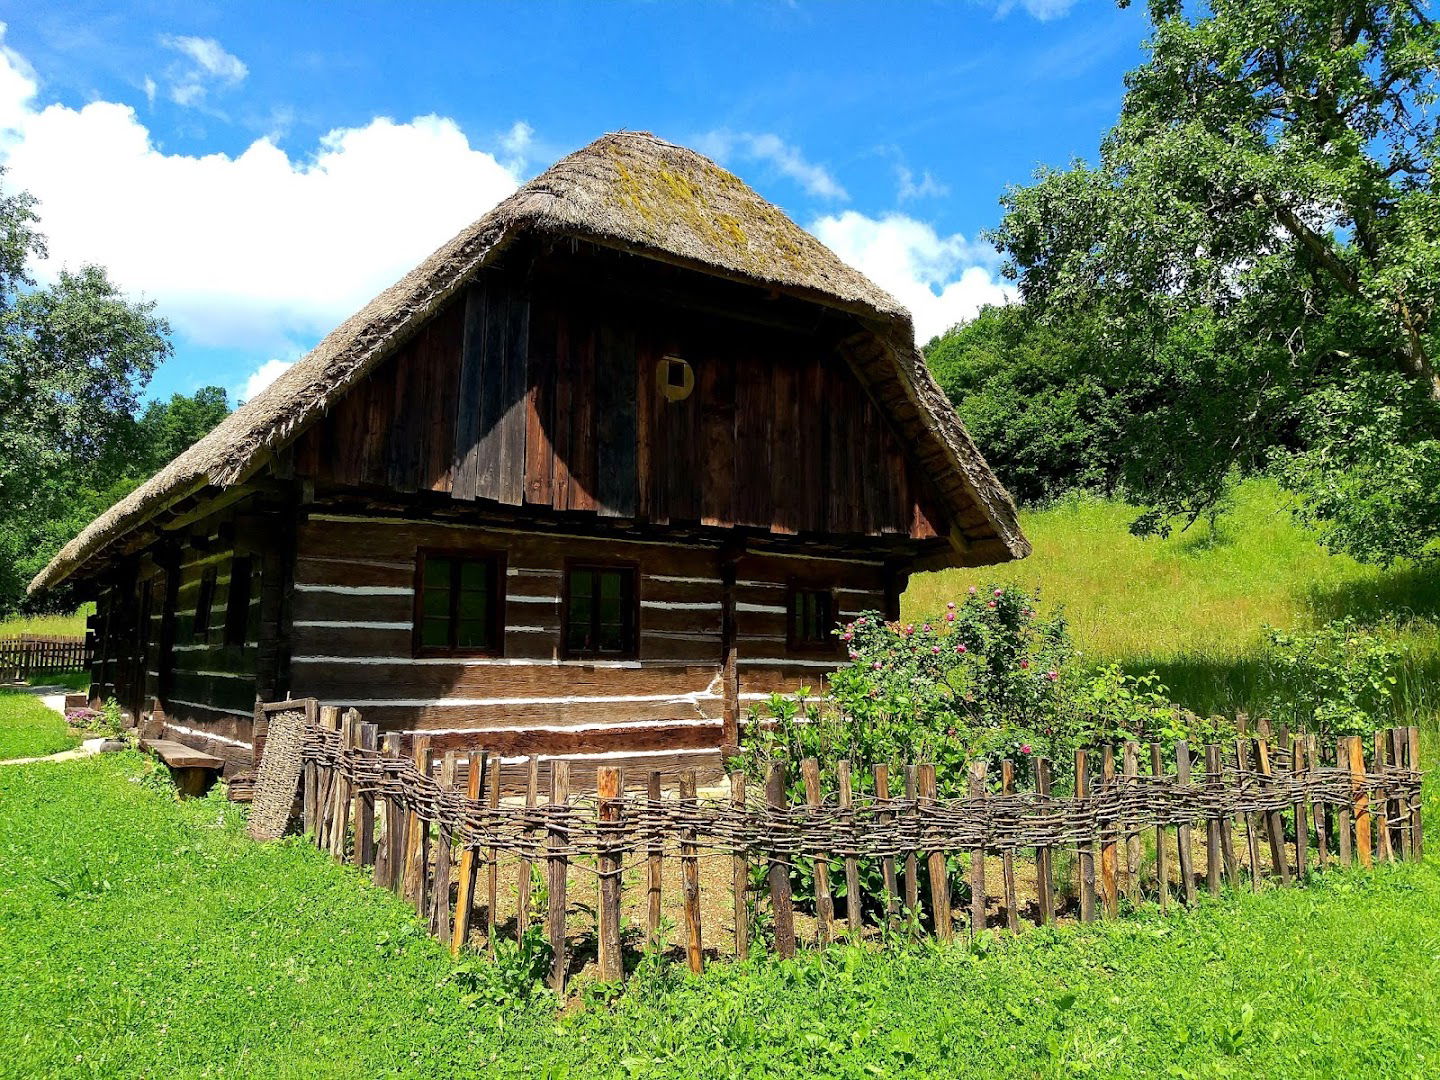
point(547, 399)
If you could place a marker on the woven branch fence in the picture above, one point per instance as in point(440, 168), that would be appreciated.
point(27, 655)
point(436, 829)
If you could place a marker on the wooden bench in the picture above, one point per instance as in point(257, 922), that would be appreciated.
point(194, 771)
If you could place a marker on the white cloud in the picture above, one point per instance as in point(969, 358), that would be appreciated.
point(206, 65)
point(770, 148)
point(943, 280)
point(927, 187)
point(259, 251)
point(262, 377)
point(1042, 10)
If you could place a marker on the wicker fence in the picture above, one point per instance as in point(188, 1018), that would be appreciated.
point(27, 655)
point(437, 832)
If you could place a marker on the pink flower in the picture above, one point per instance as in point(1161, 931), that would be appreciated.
point(1024, 664)
point(951, 605)
point(1053, 676)
point(960, 649)
point(909, 628)
point(860, 621)
point(935, 649)
point(999, 592)
point(854, 655)
point(991, 604)
point(877, 665)
point(949, 616)
point(1025, 748)
point(972, 590)
point(926, 628)
point(847, 636)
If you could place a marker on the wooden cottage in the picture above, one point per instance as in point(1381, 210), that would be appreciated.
point(599, 474)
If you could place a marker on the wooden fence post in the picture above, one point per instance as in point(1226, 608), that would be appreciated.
point(417, 842)
point(325, 804)
point(690, 877)
point(440, 895)
point(1007, 856)
point(1355, 761)
point(1320, 811)
point(976, 788)
point(781, 906)
point(492, 857)
point(559, 842)
point(887, 862)
point(392, 847)
point(1085, 849)
point(1213, 855)
point(609, 789)
point(1130, 768)
point(1183, 851)
point(532, 793)
point(310, 780)
point(824, 905)
point(1109, 837)
point(1344, 816)
point(1044, 862)
point(912, 860)
point(940, 913)
point(852, 864)
point(340, 831)
point(1300, 770)
point(1162, 857)
point(1412, 762)
point(655, 863)
point(739, 873)
point(365, 805)
point(1398, 811)
point(1383, 850)
point(1274, 825)
point(465, 887)
point(1252, 821)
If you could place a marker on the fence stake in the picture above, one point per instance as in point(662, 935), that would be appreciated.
point(465, 888)
point(1213, 855)
point(385, 855)
point(739, 872)
point(312, 793)
point(1344, 813)
point(690, 876)
point(440, 895)
point(417, 841)
point(609, 787)
point(1130, 767)
point(887, 862)
point(532, 791)
point(1227, 828)
point(1109, 851)
point(365, 805)
point(1320, 811)
point(492, 858)
point(1412, 761)
point(325, 804)
point(558, 840)
point(940, 913)
point(1355, 760)
point(1301, 771)
point(1274, 825)
point(1398, 809)
point(912, 861)
point(1162, 857)
point(824, 904)
point(1085, 850)
point(979, 769)
point(1383, 850)
point(1183, 851)
point(1252, 820)
point(781, 906)
point(339, 833)
point(655, 864)
point(1007, 856)
point(852, 864)
point(1044, 863)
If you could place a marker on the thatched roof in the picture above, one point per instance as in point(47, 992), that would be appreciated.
point(627, 190)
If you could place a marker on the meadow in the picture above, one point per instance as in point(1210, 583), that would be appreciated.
point(29, 729)
point(146, 936)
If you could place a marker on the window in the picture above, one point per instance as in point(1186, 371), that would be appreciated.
point(237, 603)
point(812, 618)
point(600, 611)
point(203, 602)
point(458, 603)
point(675, 378)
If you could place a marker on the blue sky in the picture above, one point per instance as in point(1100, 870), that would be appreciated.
point(261, 170)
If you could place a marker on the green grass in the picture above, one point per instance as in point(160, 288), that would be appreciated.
point(149, 937)
point(29, 729)
point(72, 625)
point(1193, 606)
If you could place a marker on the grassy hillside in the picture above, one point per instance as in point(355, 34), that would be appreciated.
point(1194, 606)
point(72, 625)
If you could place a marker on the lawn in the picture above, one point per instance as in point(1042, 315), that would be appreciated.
point(149, 937)
point(29, 729)
point(72, 625)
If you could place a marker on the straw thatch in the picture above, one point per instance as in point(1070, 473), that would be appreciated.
point(626, 190)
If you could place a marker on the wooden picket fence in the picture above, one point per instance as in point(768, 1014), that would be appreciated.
point(436, 829)
point(28, 655)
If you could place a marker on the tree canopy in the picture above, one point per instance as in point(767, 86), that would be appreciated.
point(1255, 261)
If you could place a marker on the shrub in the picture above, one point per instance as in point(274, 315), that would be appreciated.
point(1335, 680)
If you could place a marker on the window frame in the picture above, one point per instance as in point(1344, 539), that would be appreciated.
point(237, 619)
point(204, 619)
point(495, 560)
point(830, 644)
point(632, 649)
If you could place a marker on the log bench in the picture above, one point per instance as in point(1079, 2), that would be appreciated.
point(193, 770)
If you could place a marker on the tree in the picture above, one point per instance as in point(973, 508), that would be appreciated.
point(74, 357)
point(167, 428)
point(1259, 244)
